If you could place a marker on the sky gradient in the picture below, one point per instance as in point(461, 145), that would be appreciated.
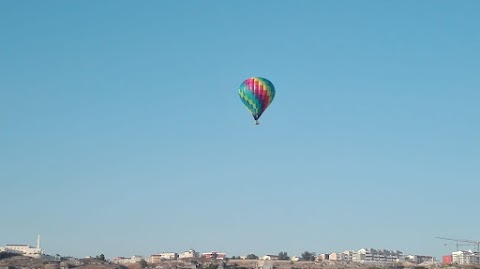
point(122, 132)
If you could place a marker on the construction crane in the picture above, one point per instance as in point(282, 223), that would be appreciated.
point(466, 242)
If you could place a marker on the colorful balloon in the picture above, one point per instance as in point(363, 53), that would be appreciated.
point(256, 94)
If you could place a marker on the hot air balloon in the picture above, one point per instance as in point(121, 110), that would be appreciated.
point(256, 94)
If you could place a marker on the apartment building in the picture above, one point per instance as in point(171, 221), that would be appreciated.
point(465, 257)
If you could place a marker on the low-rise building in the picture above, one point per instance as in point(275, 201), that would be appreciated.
point(133, 259)
point(376, 255)
point(342, 256)
point(334, 256)
point(137, 258)
point(270, 257)
point(322, 257)
point(189, 254)
point(121, 260)
point(214, 255)
point(418, 259)
point(156, 258)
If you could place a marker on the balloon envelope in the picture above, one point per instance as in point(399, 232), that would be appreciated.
point(256, 94)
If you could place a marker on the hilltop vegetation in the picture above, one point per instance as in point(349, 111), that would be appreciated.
point(22, 262)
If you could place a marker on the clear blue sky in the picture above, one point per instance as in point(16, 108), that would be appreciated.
point(121, 129)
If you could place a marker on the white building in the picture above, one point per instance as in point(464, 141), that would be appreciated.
point(136, 258)
point(465, 257)
point(270, 257)
point(133, 259)
point(155, 258)
point(121, 260)
point(418, 259)
point(376, 255)
point(190, 254)
point(322, 257)
point(342, 256)
point(214, 255)
point(167, 255)
point(23, 249)
point(334, 256)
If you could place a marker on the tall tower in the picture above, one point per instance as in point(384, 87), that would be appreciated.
point(38, 242)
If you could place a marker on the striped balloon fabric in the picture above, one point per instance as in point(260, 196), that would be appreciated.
point(256, 94)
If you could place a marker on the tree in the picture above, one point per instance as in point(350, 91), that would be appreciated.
point(143, 263)
point(212, 266)
point(252, 257)
point(283, 256)
point(5, 255)
point(101, 257)
point(308, 256)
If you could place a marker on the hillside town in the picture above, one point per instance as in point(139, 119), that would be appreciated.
point(366, 256)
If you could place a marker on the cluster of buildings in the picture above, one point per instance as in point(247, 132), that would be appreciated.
point(166, 256)
point(376, 256)
point(370, 255)
point(462, 257)
point(364, 255)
